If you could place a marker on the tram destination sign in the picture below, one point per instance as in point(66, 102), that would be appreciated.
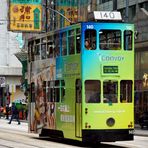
point(25, 15)
point(110, 69)
point(107, 15)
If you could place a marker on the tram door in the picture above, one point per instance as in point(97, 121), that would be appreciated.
point(78, 109)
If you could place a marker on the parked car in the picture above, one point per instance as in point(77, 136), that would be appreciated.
point(143, 120)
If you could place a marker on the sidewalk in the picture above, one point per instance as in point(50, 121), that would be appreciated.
point(14, 125)
point(141, 132)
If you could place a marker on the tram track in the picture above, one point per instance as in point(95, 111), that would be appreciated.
point(17, 139)
point(15, 144)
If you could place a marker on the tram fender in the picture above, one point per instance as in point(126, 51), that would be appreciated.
point(51, 133)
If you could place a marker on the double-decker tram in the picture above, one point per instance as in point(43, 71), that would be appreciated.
point(82, 82)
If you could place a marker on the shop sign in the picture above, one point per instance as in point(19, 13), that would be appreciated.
point(25, 15)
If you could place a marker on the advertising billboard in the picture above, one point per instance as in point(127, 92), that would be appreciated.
point(25, 15)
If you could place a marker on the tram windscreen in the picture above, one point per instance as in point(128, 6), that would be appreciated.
point(110, 91)
point(110, 39)
point(92, 91)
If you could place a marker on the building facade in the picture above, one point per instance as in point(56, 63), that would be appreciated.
point(10, 67)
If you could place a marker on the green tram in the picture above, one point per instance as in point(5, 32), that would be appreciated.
point(81, 93)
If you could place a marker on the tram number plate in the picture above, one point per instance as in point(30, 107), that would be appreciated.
point(107, 15)
point(110, 69)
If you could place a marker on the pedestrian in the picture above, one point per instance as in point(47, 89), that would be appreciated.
point(7, 111)
point(87, 44)
point(15, 113)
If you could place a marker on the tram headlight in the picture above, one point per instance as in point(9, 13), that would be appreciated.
point(110, 122)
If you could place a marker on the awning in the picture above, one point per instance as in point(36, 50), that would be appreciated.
point(22, 56)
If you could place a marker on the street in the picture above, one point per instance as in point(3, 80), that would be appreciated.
point(16, 136)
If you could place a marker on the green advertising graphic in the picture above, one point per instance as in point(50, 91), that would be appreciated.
point(36, 18)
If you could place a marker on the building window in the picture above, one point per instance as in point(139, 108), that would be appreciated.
point(104, 1)
point(126, 91)
point(132, 12)
point(144, 5)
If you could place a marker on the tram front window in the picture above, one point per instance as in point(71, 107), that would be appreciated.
point(110, 39)
point(90, 39)
point(92, 91)
point(110, 91)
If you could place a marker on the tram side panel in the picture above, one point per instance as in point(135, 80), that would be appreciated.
point(69, 69)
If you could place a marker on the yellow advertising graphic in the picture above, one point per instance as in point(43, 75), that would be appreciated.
point(70, 12)
point(25, 17)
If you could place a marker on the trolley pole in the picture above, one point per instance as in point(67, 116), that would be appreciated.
point(55, 11)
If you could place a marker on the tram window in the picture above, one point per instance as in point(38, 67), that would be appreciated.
point(50, 47)
point(43, 51)
point(51, 91)
point(64, 43)
point(78, 91)
point(32, 92)
point(62, 90)
point(71, 41)
point(48, 91)
point(57, 94)
point(37, 50)
point(110, 39)
point(126, 91)
point(92, 91)
point(31, 51)
point(44, 90)
point(78, 40)
point(110, 91)
point(57, 91)
point(90, 39)
point(57, 45)
point(128, 40)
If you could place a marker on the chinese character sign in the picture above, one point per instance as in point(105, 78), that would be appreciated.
point(25, 15)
